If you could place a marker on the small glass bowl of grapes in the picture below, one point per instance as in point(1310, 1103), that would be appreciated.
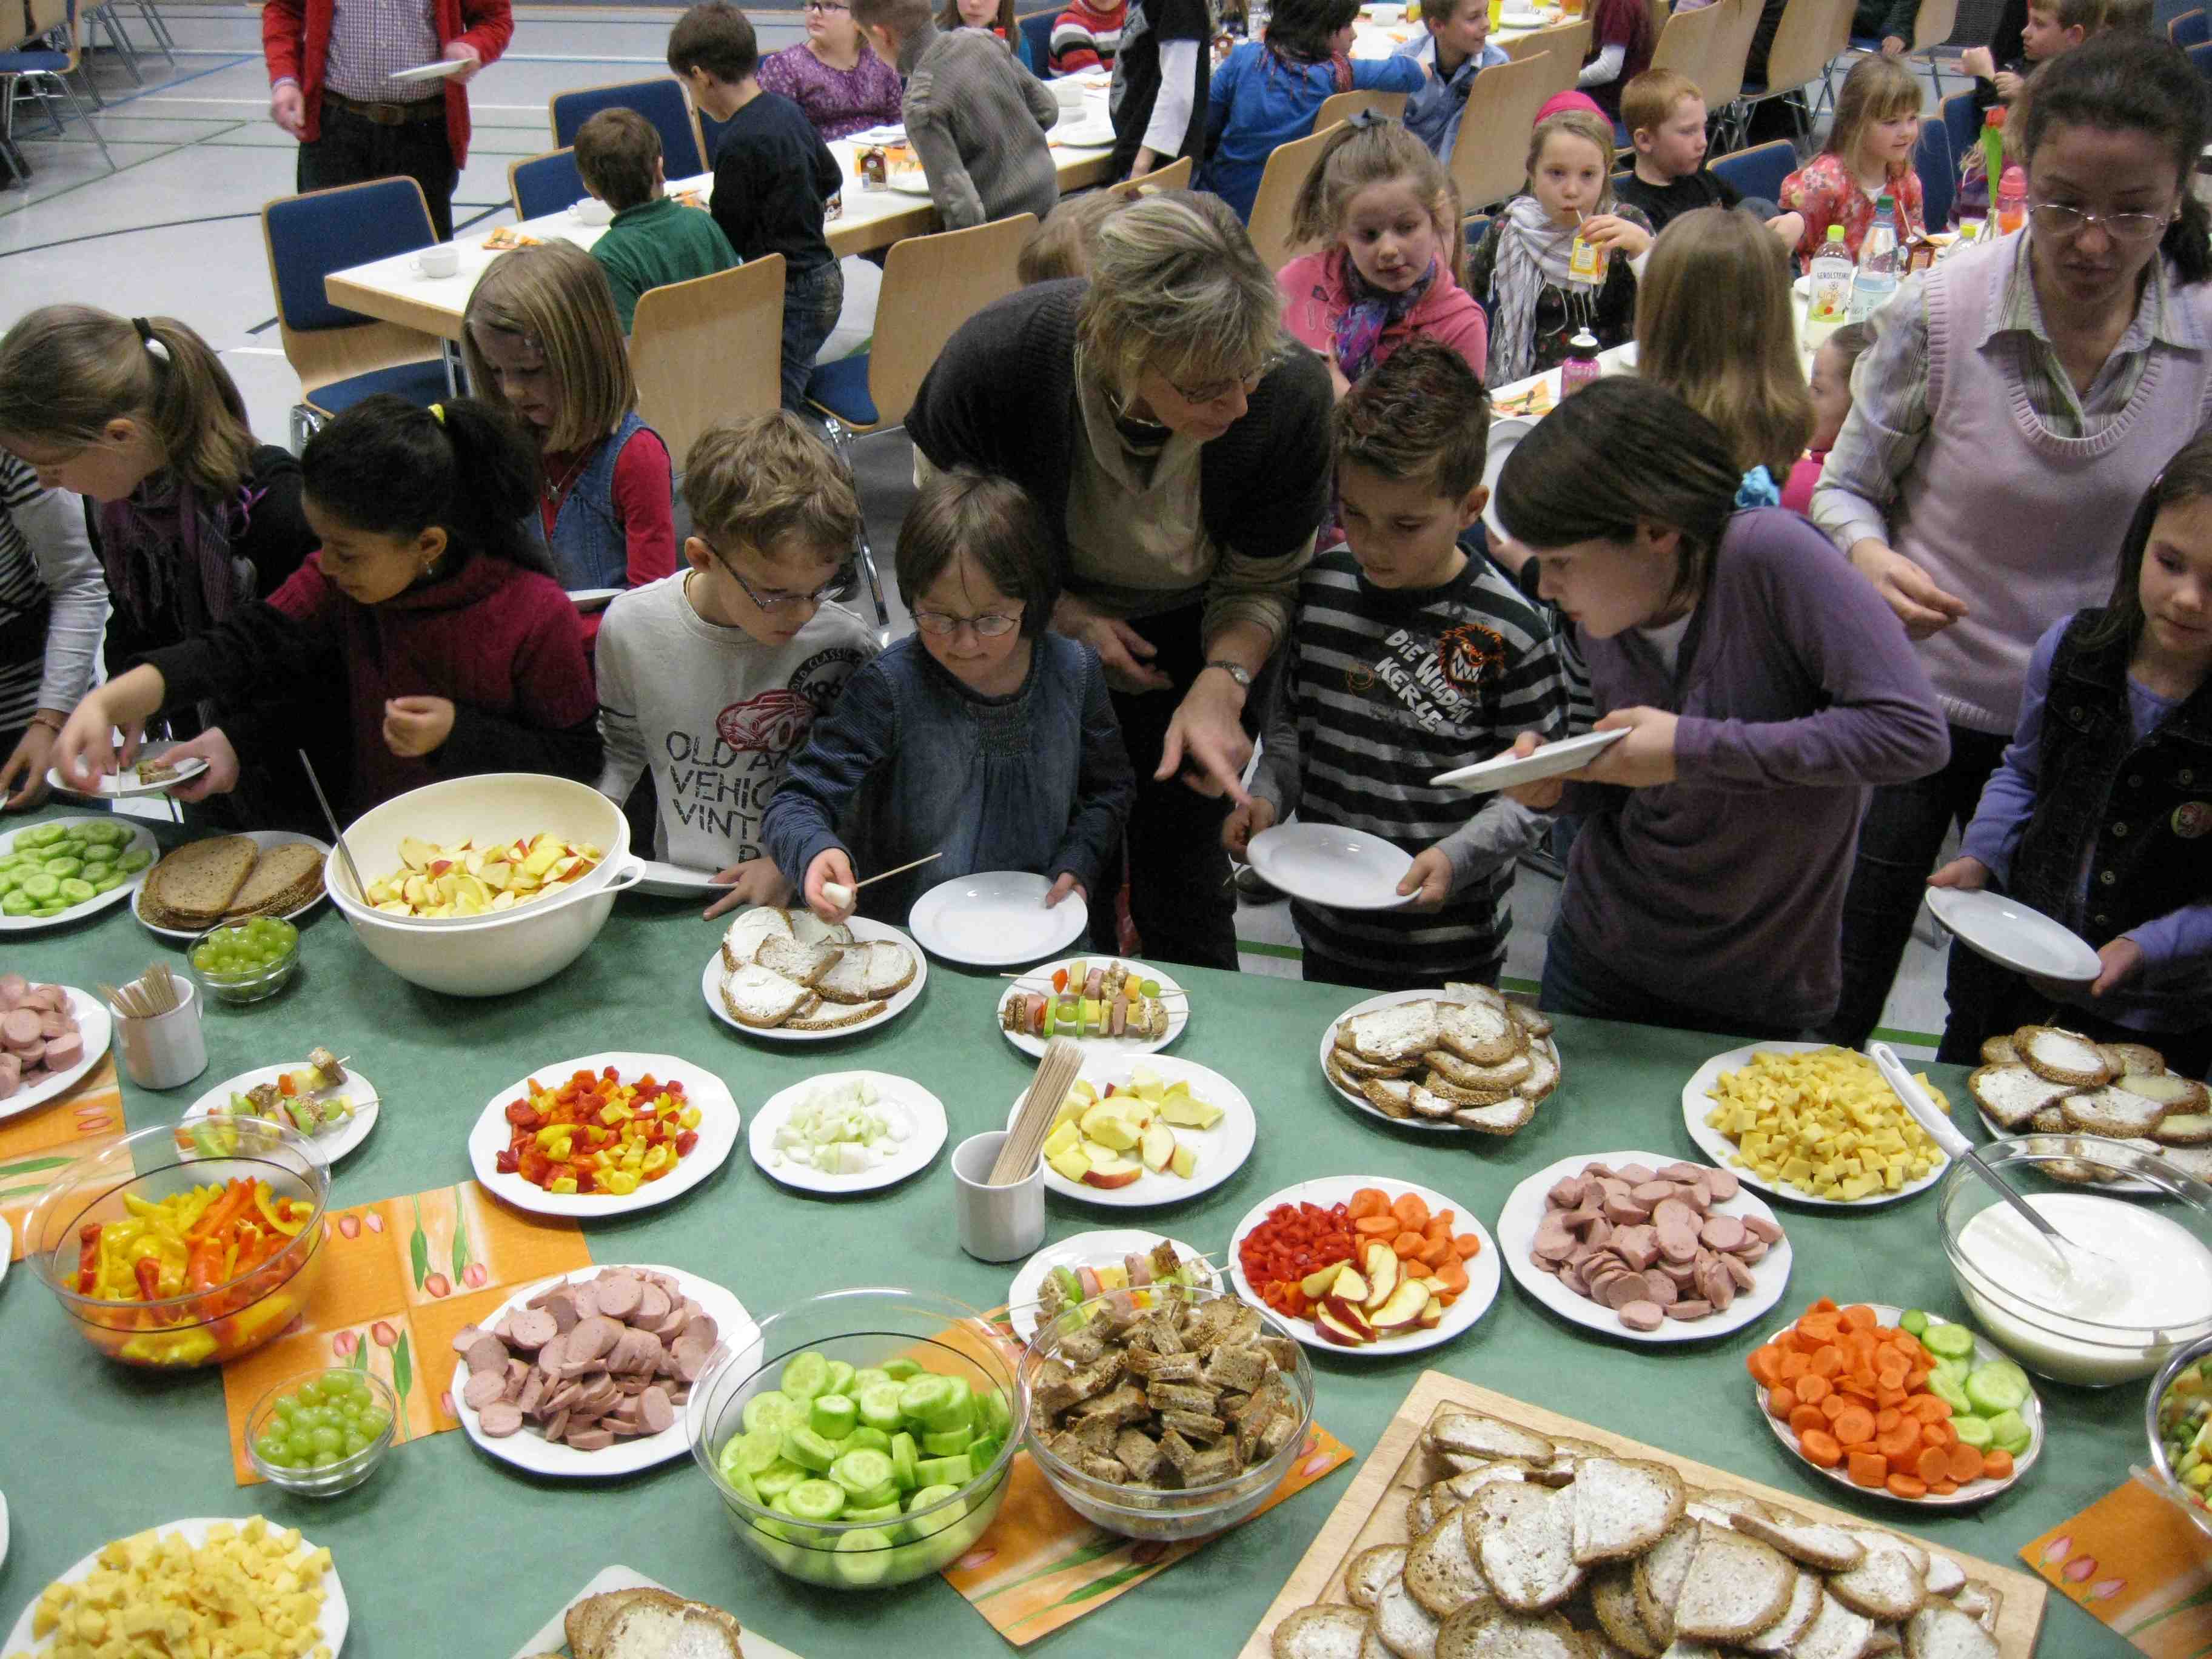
point(246, 961)
point(323, 1433)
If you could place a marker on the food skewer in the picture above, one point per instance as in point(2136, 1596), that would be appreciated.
point(1029, 981)
point(841, 896)
point(1025, 1142)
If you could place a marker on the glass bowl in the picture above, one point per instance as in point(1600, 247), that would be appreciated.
point(1165, 1514)
point(250, 987)
point(207, 1327)
point(2192, 1497)
point(2171, 1214)
point(341, 1473)
point(860, 1328)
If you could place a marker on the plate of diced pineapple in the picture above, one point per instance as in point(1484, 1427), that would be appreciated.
point(1810, 1121)
point(473, 878)
point(1141, 1131)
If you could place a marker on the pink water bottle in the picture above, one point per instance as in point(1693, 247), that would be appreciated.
point(1581, 367)
point(2012, 200)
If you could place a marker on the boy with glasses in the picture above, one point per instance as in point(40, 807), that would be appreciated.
point(712, 678)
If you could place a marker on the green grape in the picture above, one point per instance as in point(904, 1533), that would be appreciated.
point(273, 1448)
point(355, 1445)
point(302, 1444)
point(329, 1439)
point(286, 1406)
point(327, 1460)
point(374, 1421)
point(310, 1391)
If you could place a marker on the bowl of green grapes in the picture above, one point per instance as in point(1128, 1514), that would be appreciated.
point(321, 1434)
point(246, 961)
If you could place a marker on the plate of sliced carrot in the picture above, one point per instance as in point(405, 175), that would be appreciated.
point(1845, 1388)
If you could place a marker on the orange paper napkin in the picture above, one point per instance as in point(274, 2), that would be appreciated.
point(2134, 1561)
point(35, 1146)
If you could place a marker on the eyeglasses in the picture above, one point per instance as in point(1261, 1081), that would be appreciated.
point(825, 6)
point(1215, 391)
point(777, 599)
point(2059, 219)
point(991, 625)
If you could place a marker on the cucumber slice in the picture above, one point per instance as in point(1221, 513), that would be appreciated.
point(880, 1405)
point(75, 891)
point(985, 1451)
point(945, 1471)
point(41, 886)
point(863, 1377)
point(9, 881)
point(2010, 1431)
point(815, 1500)
point(1947, 1341)
point(876, 1497)
point(904, 1463)
point(859, 1472)
point(867, 1439)
point(773, 1410)
point(864, 1556)
point(806, 1375)
point(937, 1403)
point(134, 860)
point(1947, 1389)
point(43, 835)
point(741, 1484)
point(900, 1370)
point(1999, 1386)
point(112, 834)
point(808, 1450)
point(97, 869)
point(841, 1377)
point(924, 1514)
point(1912, 1321)
point(950, 1444)
point(998, 1417)
point(753, 1451)
point(61, 868)
point(53, 908)
point(18, 903)
point(777, 1479)
point(1974, 1431)
point(876, 1514)
point(832, 1416)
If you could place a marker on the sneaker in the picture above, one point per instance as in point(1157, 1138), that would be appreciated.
point(1255, 886)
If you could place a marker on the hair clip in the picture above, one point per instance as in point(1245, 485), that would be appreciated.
point(438, 413)
point(146, 338)
point(1371, 116)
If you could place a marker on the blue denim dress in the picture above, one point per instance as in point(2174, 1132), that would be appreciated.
point(588, 547)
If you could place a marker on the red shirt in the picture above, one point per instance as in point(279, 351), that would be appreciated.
point(295, 39)
point(643, 507)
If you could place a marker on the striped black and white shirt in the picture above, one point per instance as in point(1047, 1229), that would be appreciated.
point(1383, 690)
point(46, 564)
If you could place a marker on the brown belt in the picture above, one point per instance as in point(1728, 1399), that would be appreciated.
point(388, 115)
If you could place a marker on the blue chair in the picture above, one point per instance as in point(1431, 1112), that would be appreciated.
point(2200, 55)
point(1939, 174)
point(1476, 228)
point(1962, 123)
point(1036, 42)
point(544, 184)
point(42, 66)
point(682, 152)
point(341, 355)
point(2191, 28)
point(1759, 172)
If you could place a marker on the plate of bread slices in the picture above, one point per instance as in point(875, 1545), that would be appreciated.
point(788, 976)
point(2045, 1079)
point(623, 1614)
point(263, 872)
point(1460, 1061)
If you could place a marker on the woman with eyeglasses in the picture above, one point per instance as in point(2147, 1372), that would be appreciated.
point(2018, 400)
point(834, 75)
point(1176, 440)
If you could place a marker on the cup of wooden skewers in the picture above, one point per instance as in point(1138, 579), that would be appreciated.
point(157, 1027)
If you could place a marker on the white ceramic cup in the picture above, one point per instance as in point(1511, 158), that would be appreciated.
point(167, 1050)
point(997, 1224)
point(1066, 92)
point(590, 210)
point(440, 260)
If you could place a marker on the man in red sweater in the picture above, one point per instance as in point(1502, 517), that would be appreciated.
point(331, 71)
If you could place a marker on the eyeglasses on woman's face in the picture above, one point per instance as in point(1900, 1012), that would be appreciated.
point(2064, 219)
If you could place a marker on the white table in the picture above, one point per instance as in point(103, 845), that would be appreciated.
point(1621, 360)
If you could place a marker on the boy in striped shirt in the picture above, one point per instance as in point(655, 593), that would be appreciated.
point(1411, 654)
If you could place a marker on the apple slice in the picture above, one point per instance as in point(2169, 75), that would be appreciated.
point(1315, 1285)
point(1185, 1161)
point(1062, 1136)
point(1158, 1145)
point(1351, 1315)
point(1072, 1163)
point(1112, 1170)
point(1383, 1276)
point(1404, 1308)
point(1348, 1286)
point(1334, 1330)
point(1432, 1315)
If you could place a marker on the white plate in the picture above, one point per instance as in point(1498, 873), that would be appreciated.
point(96, 1026)
point(552, 1637)
point(1102, 1247)
point(1040, 979)
point(1084, 135)
point(925, 1132)
point(675, 880)
point(1720, 1150)
point(1221, 1150)
point(112, 785)
point(1505, 435)
point(1526, 20)
point(718, 1131)
point(330, 1628)
point(588, 599)
point(1326, 864)
point(910, 183)
point(710, 987)
point(1974, 1492)
point(329, 1147)
point(141, 841)
point(264, 838)
point(1482, 1272)
point(1425, 1124)
point(996, 919)
point(2012, 936)
point(1548, 762)
point(443, 69)
point(1803, 288)
point(528, 1450)
point(1517, 1236)
point(2125, 1187)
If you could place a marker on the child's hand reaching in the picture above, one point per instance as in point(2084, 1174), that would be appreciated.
point(1061, 888)
point(86, 751)
point(1430, 880)
point(1245, 822)
point(417, 726)
point(2008, 84)
point(1967, 875)
point(1978, 62)
point(830, 866)
point(214, 747)
point(1616, 234)
point(2122, 958)
point(752, 881)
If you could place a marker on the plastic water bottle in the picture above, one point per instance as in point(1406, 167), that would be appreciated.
point(1876, 280)
point(2012, 200)
point(1581, 367)
point(1831, 281)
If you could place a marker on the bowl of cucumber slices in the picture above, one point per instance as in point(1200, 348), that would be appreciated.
point(862, 1439)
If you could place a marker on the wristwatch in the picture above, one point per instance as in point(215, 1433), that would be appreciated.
point(1235, 670)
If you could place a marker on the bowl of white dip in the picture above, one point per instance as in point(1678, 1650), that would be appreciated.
point(2141, 1285)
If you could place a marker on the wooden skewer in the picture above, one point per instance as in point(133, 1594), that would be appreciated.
point(1018, 1152)
point(1045, 984)
point(883, 875)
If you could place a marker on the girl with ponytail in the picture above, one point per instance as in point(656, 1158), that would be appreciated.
point(458, 653)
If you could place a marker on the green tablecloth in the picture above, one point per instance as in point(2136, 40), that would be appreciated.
point(447, 1552)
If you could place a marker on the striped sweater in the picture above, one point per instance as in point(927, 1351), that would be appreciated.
point(53, 600)
point(1383, 690)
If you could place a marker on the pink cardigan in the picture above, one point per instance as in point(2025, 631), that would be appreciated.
point(1314, 295)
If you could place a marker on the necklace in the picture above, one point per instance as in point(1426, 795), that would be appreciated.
point(554, 486)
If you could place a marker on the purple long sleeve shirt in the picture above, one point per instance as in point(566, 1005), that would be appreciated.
point(1797, 689)
point(2177, 967)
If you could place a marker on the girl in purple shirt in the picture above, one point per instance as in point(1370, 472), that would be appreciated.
point(843, 87)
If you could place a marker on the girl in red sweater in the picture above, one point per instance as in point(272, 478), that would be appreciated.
point(458, 654)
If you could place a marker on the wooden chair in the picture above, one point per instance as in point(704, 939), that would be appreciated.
point(1279, 184)
point(1811, 34)
point(1343, 106)
point(1569, 42)
point(1176, 176)
point(709, 349)
point(1658, 10)
point(1687, 44)
point(2192, 27)
point(1724, 81)
point(1931, 27)
point(1491, 160)
point(41, 65)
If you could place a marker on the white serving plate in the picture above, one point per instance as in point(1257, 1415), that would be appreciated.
point(112, 785)
point(1505, 435)
point(1970, 1493)
point(264, 839)
point(676, 881)
point(1177, 1001)
point(1482, 1271)
point(1221, 1150)
point(1093, 134)
point(910, 184)
point(2012, 936)
point(1549, 761)
point(530, 1450)
point(996, 919)
point(588, 599)
point(718, 1133)
point(1101, 1247)
point(1517, 1236)
point(1420, 1124)
point(925, 1125)
point(710, 987)
point(443, 69)
point(1329, 864)
point(1719, 1150)
point(96, 1026)
point(552, 1637)
point(2125, 1187)
point(141, 839)
point(330, 1629)
point(328, 1147)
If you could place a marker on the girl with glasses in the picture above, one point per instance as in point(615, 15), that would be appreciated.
point(834, 75)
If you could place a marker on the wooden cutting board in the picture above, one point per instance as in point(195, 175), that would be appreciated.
point(1373, 1509)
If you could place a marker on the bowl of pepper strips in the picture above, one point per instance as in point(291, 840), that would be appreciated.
point(167, 1256)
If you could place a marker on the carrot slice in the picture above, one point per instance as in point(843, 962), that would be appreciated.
point(1860, 1317)
point(1929, 1407)
point(1823, 1305)
point(1889, 1393)
point(1377, 1226)
point(1887, 1419)
point(1410, 1210)
point(1868, 1468)
point(1794, 1365)
point(1855, 1426)
point(1997, 1463)
point(1466, 1245)
point(1408, 1245)
point(1906, 1485)
point(1829, 1360)
point(1434, 1252)
point(1939, 1434)
point(1441, 1222)
point(1368, 1201)
point(1835, 1406)
point(1451, 1275)
point(1821, 1448)
point(1765, 1364)
point(1781, 1402)
point(1817, 1331)
point(1901, 1443)
point(1813, 1387)
point(1805, 1418)
point(1967, 1462)
point(1934, 1465)
point(1943, 1488)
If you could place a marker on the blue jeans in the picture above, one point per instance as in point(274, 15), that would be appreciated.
point(812, 302)
point(1576, 980)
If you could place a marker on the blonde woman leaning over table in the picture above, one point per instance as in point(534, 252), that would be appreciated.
point(2017, 401)
point(1178, 443)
